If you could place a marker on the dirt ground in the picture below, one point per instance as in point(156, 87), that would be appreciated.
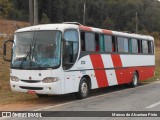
point(35, 102)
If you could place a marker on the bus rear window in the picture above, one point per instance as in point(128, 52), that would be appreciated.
point(145, 47)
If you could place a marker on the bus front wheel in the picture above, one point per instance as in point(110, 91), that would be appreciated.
point(83, 89)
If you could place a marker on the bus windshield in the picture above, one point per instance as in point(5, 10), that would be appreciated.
point(36, 49)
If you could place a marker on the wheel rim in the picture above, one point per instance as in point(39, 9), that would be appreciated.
point(135, 79)
point(84, 89)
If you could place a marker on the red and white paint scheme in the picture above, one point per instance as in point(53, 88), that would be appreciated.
point(78, 69)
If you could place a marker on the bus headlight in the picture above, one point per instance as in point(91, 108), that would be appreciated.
point(14, 78)
point(50, 79)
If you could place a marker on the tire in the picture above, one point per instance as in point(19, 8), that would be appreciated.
point(83, 89)
point(134, 82)
point(42, 95)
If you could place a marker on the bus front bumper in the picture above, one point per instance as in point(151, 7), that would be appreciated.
point(37, 88)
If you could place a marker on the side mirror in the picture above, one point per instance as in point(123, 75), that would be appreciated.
point(5, 49)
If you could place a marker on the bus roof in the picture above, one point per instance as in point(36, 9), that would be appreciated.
point(75, 25)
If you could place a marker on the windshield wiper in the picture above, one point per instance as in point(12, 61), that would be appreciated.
point(24, 59)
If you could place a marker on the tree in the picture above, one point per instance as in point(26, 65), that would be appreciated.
point(108, 24)
point(6, 6)
point(44, 19)
point(111, 14)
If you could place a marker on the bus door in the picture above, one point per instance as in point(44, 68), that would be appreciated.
point(70, 53)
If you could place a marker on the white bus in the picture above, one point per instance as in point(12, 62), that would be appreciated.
point(66, 58)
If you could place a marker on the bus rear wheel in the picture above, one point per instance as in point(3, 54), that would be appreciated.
point(134, 82)
point(83, 89)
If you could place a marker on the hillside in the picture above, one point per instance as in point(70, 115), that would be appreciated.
point(7, 28)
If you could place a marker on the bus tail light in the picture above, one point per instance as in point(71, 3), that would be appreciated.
point(50, 79)
point(14, 78)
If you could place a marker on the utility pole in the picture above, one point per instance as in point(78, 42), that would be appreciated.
point(31, 12)
point(35, 12)
point(102, 11)
point(136, 23)
point(84, 13)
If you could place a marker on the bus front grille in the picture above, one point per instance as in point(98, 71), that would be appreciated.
point(31, 81)
point(31, 88)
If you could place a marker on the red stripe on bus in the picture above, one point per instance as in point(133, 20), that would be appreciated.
point(109, 32)
point(100, 74)
point(120, 73)
point(116, 60)
point(85, 28)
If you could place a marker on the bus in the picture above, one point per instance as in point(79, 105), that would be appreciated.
point(62, 58)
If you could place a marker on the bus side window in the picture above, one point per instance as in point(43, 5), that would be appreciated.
point(108, 44)
point(139, 46)
point(120, 41)
point(113, 44)
point(83, 41)
point(150, 47)
point(134, 46)
point(97, 42)
point(130, 45)
point(102, 43)
point(90, 43)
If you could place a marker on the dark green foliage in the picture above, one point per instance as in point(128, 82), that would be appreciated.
point(109, 14)
point(44, 19)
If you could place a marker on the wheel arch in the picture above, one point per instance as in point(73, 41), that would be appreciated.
point(88, 80)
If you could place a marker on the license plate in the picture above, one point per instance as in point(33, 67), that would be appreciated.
point(31, 92)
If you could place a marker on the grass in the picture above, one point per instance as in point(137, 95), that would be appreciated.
point(9, 97)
